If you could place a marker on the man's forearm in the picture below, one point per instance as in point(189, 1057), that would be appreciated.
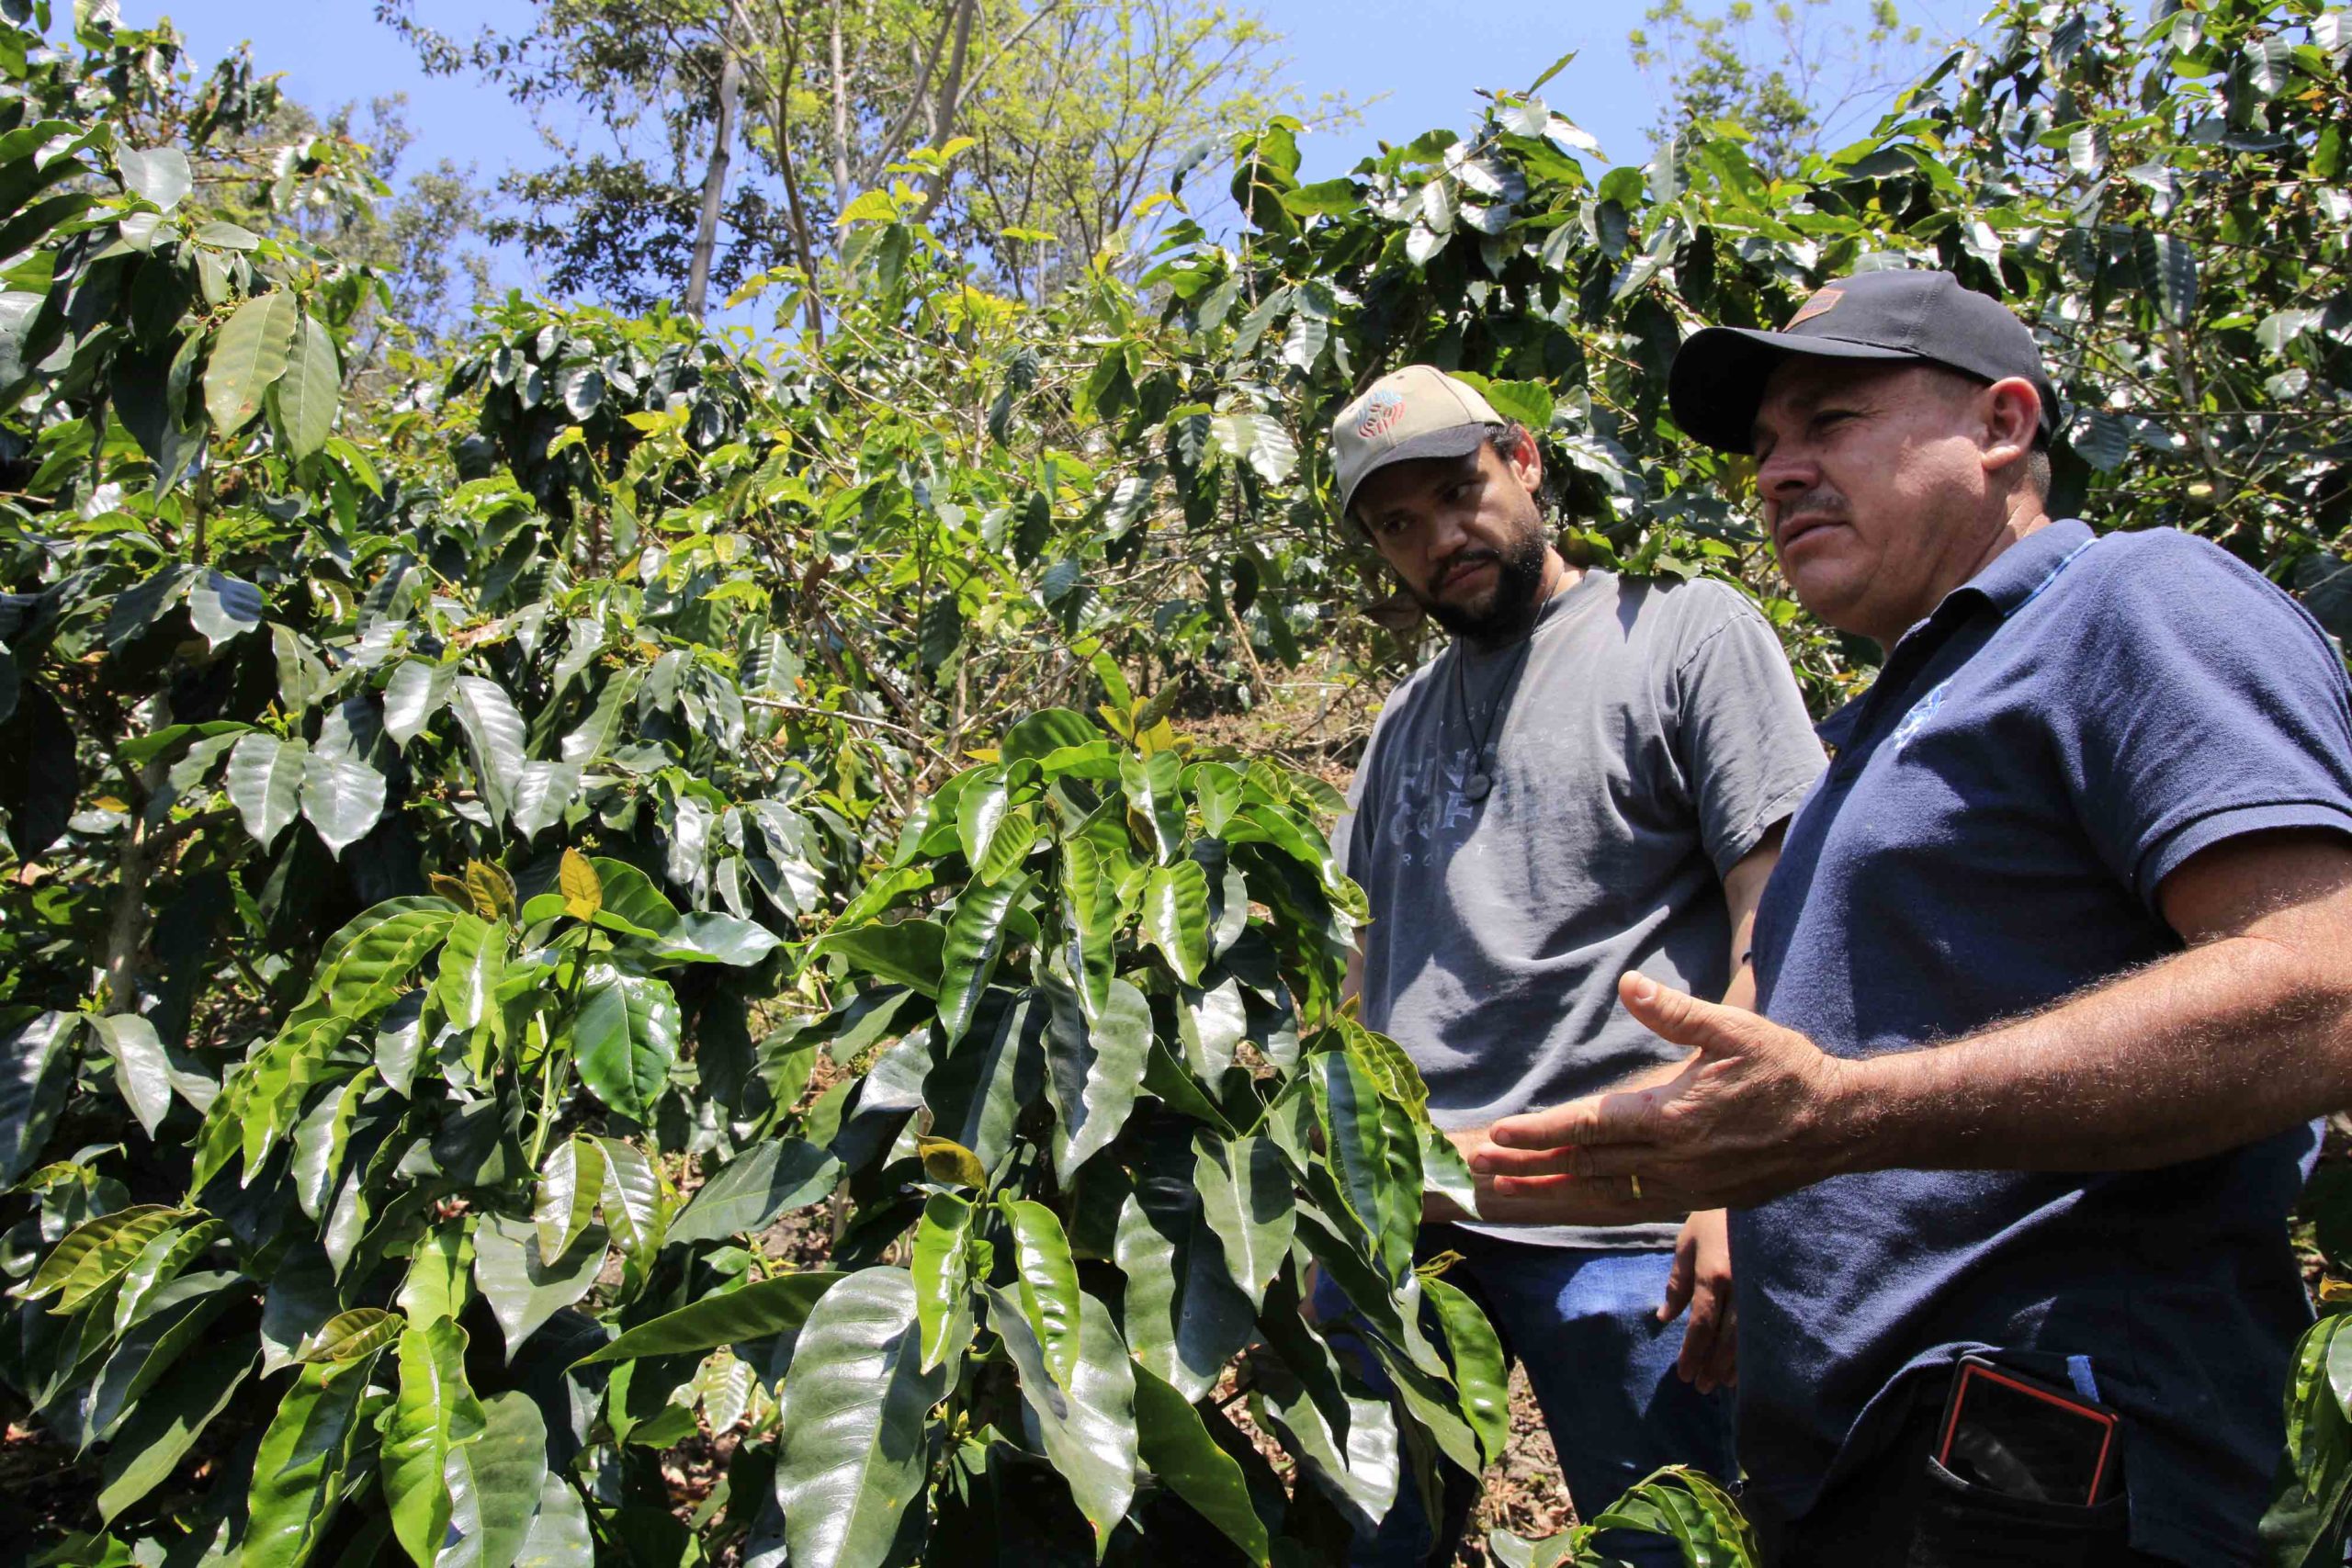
point(2212, 1048)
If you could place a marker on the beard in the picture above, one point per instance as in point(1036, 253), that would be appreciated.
point(1510, 610)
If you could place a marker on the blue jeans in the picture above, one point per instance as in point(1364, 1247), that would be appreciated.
point(1584, 1323)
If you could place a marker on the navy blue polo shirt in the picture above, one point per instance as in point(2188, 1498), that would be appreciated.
point(2033, 760)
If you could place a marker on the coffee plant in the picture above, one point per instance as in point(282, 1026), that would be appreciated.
point(613, 949)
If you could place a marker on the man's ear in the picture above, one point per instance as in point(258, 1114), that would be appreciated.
point(1526, 463)
point(2012, 417)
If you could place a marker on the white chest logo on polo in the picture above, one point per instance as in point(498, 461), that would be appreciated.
point(1921, 711)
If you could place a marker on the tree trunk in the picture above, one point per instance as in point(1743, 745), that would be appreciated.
point(943, 105)
point(714, 179)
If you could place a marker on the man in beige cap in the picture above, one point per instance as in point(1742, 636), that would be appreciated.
point(1590, 780)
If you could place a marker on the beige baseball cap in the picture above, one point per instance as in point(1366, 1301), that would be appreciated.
point(1418, 412)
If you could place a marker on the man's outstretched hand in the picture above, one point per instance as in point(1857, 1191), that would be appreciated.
point(1758, 1111)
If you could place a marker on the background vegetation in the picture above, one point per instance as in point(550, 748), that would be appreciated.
point(630, 943)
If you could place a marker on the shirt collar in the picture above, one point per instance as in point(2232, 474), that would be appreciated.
point(2014, 576)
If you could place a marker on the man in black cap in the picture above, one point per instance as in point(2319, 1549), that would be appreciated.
point(2054, 972)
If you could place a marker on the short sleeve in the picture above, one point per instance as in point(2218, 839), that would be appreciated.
point(1351, 834)
point(1741, 735)
point(2203, 705)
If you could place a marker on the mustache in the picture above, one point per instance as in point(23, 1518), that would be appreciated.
point(1820, 498)
point(1474, 555)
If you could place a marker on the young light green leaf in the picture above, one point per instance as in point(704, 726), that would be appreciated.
point(91, 1256)
point(1481, 1374)
point(434, 1411)
point(984, 806)
point(1049, 1283)
point(852, 1458)
point(942, 1271)
point(298, 1469)
point(473, 962)
point(494, 1483)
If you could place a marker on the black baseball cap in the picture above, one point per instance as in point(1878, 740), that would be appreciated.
point(1719, 373)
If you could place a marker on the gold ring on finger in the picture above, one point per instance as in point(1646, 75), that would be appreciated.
point(1637, 1184)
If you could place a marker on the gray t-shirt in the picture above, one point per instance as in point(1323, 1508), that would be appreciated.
point(1649, 737)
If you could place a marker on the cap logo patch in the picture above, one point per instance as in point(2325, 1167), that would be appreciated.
point(1381, 410)
point(1819, 305)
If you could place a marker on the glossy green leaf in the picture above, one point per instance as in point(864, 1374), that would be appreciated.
point(1354, 1460)
point(631, 899)
point(170, 1323)
point(1042, 734)
point(264, 784)
point(910, 952)
point(440, 1274)
point(1090, 906)
point(223, 607)
point(942, 1271)
point(716, 939)
point(417, 690)
point(1047, 1281)
point(981, 809)
point(635, 1200)
point(299, 1471)
point(367, 964)
point(1086, 1422)
point(165, 1424)
point(1176, 917)
point(1247, 1200)
point(494, 737)
point(1481, 1374)
point(160, 1262)
point(322, 1137)
point(852, 1457)
point(434, 1411)
point(141, 1071)
point(494, 1483)
point(570, 1184)
point(1092, 1070)
point(349, 1335)
point(977, 1092)
point(779, 1304)
point(1155, 799)
point(968, 954)
point(1357, 1137)
point(343, 798)
point(1185, 1317)
point(625, 1038)
point(1217, 789)
point(1173, 1443)
point(91, 1256)
point(248, 356)
point(750, 1195)
point(524, 1290)
point(311, 389)
point(36, 1070)
point(1210, 1025)
point(560, 1535)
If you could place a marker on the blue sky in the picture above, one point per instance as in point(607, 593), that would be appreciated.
point(1414, 65)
